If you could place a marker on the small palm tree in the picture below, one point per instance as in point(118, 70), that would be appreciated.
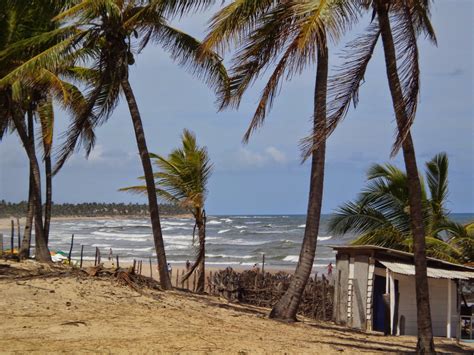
point(182, 179)
point(107, 35)
point(380, 214)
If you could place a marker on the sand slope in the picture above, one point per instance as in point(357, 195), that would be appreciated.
point(95, 315)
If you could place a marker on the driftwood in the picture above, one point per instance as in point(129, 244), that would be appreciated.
point(265, 289)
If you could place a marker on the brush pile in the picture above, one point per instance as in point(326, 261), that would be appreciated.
point(265, 289)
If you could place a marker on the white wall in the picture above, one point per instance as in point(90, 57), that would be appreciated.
point(438, 303)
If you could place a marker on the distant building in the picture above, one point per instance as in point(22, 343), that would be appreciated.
point(365, 273)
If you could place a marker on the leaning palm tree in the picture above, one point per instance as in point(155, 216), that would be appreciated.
point(294, 34)
point(409, 18)
point(380, 214)
point(182, 179)
point(107, 35)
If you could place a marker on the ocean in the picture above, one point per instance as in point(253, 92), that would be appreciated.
point(235, 241)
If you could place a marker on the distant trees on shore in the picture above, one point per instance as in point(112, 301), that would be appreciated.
point(90, 209)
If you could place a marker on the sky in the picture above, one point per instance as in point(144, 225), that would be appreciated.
point(266, 175)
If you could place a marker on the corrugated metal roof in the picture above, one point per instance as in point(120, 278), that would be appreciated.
point(408, 269)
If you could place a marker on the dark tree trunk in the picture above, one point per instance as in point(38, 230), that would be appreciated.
point(41, 245)
point(287, 307)
point(425, 343)
point(150, 184)
point(201, 281)
point(49, 193)
point(26, 242)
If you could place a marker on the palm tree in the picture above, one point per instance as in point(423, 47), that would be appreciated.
point(294, 34)
point(411, 18)
point(183, 179)
point(380, 214)
point(30, 95)
point(107, 34)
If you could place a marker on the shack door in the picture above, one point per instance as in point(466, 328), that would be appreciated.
point(379, 313)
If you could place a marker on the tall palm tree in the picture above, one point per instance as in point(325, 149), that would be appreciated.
point(410, 19)
point(107, 34)
point(182, 179)
point(380, 214)
point(294, 34)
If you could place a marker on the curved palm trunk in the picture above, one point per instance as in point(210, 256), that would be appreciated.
point(41, 246)
point(24, 252)
point(201, 282)
point(287, 307)
point(49, 195)
point(425, 343)
point(150, 184)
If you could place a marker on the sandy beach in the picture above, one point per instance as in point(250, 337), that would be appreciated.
point(79, 314)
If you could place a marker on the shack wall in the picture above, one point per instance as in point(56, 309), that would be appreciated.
point(359, 299)
point(340, 294)
point(438, 303)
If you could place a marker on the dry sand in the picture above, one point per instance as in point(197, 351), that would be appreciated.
point(96, 315)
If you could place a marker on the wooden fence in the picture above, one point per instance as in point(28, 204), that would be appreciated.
point(265, 289)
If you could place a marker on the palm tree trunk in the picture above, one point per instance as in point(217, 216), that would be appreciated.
point(49, 195)
point(287, 307)
point(425, 343)
point(150, 184)
point(24, 252)
point(41, 246)
point(200, 287)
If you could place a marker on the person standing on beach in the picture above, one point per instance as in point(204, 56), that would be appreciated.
point(170, 270)
point(330, 269)
point(188, 265)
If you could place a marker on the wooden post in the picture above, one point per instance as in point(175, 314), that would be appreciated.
point(141, 266)
point(82, 254)
point(95, 259)
point(210, 282)
point(118, 265)
point(194, 281)
point(177, 277)
point(134, 263)
point(386, 303)
point(1, 244)
point(98, 256)
point(12, 244)
point(263, 265)
point(19, 234)
point(323, 298)
point(187, 283)
point(182, 282)
point(151, 269)
point(70, 250)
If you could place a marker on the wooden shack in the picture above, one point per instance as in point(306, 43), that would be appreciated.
point(375, 291)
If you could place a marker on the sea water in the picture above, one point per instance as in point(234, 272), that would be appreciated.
point(235, 241)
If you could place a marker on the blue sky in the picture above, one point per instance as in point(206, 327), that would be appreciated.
point(265, 176)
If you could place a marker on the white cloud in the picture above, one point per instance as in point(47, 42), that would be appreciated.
point(277, 155)
point(247, 157)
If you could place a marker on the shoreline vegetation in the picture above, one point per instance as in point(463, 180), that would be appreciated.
point(92, 209)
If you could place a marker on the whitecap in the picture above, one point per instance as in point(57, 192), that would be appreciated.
point(240, 227)
point(292, 258)
point(214, 222)
point(302, 226)
point(101, 245)
point(322, 239)
point(223, 231)
point(227, 220)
